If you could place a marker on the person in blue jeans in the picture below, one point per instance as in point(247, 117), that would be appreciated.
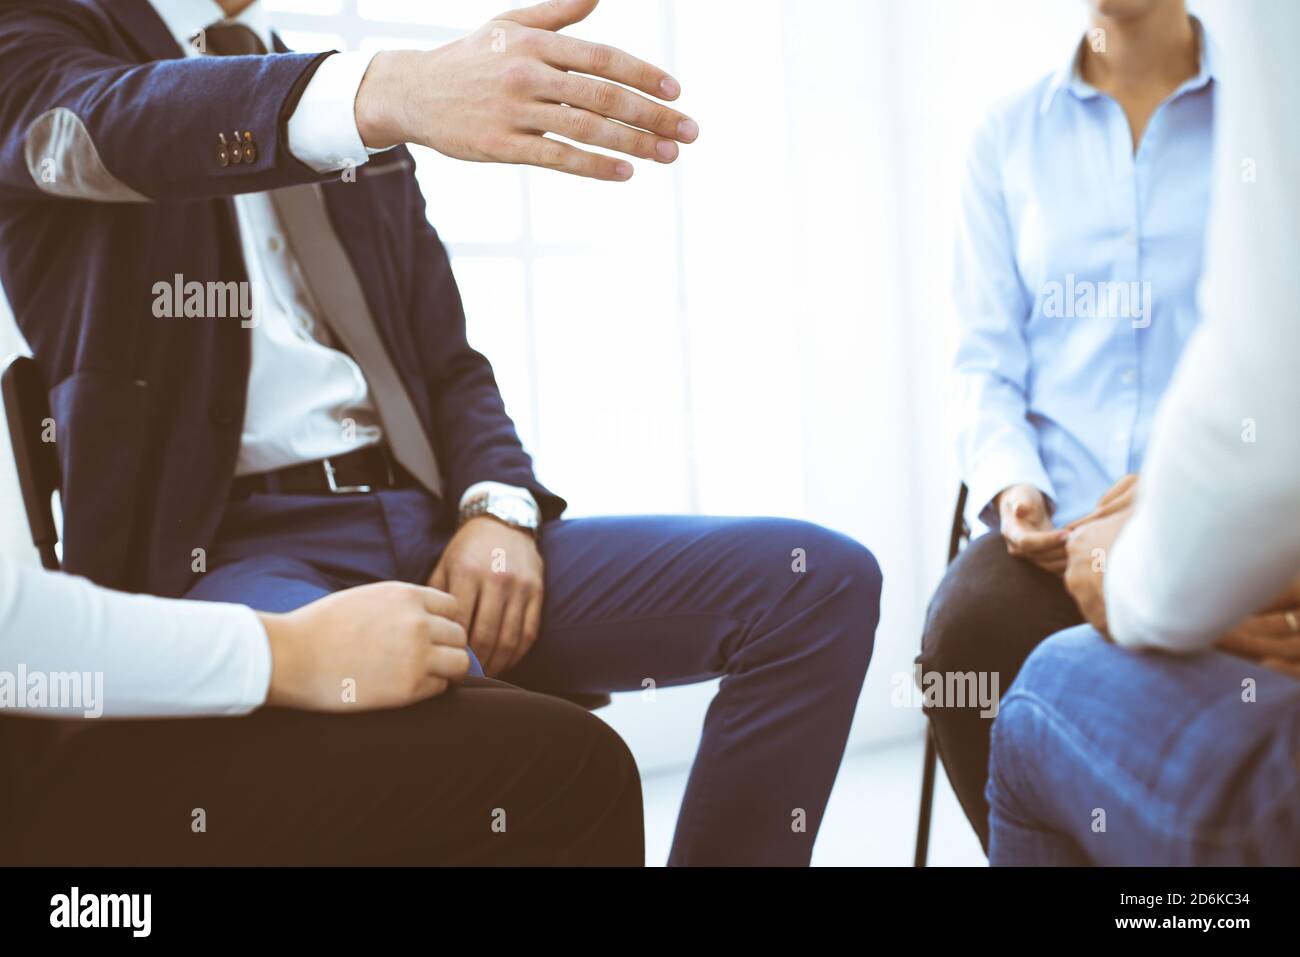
point(1179, 744)
point(1101, 756)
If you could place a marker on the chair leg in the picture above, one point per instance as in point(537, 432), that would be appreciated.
point(927, 799)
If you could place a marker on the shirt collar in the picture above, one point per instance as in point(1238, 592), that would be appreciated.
point(1070, 76)
point(185, 18)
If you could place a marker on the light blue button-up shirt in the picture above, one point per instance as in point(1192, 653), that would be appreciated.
point(1076, 277)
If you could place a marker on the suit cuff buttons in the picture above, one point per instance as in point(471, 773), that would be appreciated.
point(242, 149)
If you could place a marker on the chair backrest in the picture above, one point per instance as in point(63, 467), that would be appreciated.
point(32, 435)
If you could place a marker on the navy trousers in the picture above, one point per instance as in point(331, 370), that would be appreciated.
point(783, 611)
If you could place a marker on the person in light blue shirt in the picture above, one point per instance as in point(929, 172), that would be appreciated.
point(1078, 259)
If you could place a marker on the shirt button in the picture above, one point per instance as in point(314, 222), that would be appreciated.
point(1130, 237)
point(1129, 377)
point(273, 244)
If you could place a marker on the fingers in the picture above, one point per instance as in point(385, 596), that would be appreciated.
point(1102, 511)
point(542, 151)
point(1275, 625)
point(1118, 489)
point(531, 623)
point(1046, 549)
point(430, 687)
point(587, 127)
point(437, 601)
point(1264, 636)
point(465, 590)
point(1259, 647)
point(484, 634)
point(1054, 560)
point(1117, 498)
point(596, 59)
point(551, 15)
point(1023, 507)
point(1117, 504)
point(1022, 540)
point(620, 104)
point(511, 642)
point(451, 664)
point(533, 620)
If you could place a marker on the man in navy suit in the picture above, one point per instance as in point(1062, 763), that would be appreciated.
point(263, 391)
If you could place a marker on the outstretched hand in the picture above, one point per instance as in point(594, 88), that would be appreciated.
point(499, 94)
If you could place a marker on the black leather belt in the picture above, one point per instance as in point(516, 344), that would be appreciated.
point(365, 470)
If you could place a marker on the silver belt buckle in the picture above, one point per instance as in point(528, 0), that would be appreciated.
point(337, 489)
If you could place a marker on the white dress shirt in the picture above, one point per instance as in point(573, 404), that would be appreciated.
point(1216, 533)
point(150, 657)
point(306, 400)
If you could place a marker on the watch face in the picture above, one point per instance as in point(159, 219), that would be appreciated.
point(513, 511)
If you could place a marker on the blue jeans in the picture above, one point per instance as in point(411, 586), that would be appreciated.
point(1103, 756)
point(632, 601)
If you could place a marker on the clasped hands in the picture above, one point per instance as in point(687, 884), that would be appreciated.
point(1078, 553)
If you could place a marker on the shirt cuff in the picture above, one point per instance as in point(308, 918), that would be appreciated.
point(499, 488)
point(323, 129)
point(1001, 469)
point(246, 629)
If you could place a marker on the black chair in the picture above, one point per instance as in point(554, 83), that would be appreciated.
point(957, 539)
point(27, 409)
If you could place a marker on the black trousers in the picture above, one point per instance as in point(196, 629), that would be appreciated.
point(484, 774)
point(990, 612)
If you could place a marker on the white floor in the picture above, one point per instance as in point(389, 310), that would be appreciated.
point(871, 819)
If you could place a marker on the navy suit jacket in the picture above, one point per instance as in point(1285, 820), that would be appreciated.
point(110, 182)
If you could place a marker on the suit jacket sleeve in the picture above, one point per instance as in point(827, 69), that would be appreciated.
point(475, 440)
point(77, 122)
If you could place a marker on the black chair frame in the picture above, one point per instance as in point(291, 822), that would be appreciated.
point(958, 537)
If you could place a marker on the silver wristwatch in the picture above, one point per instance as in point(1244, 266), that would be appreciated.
point(517, 511)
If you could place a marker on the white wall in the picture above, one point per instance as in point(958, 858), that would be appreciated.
point(817, 214)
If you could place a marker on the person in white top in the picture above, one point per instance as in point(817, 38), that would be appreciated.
point(1183, 752)
point(85, 656)
point(155, 658)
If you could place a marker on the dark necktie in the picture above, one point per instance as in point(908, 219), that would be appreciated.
point(232, 39)
point(338, 293)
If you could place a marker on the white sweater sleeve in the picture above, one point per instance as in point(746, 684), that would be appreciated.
point(1216, 534)
point(69, 648)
